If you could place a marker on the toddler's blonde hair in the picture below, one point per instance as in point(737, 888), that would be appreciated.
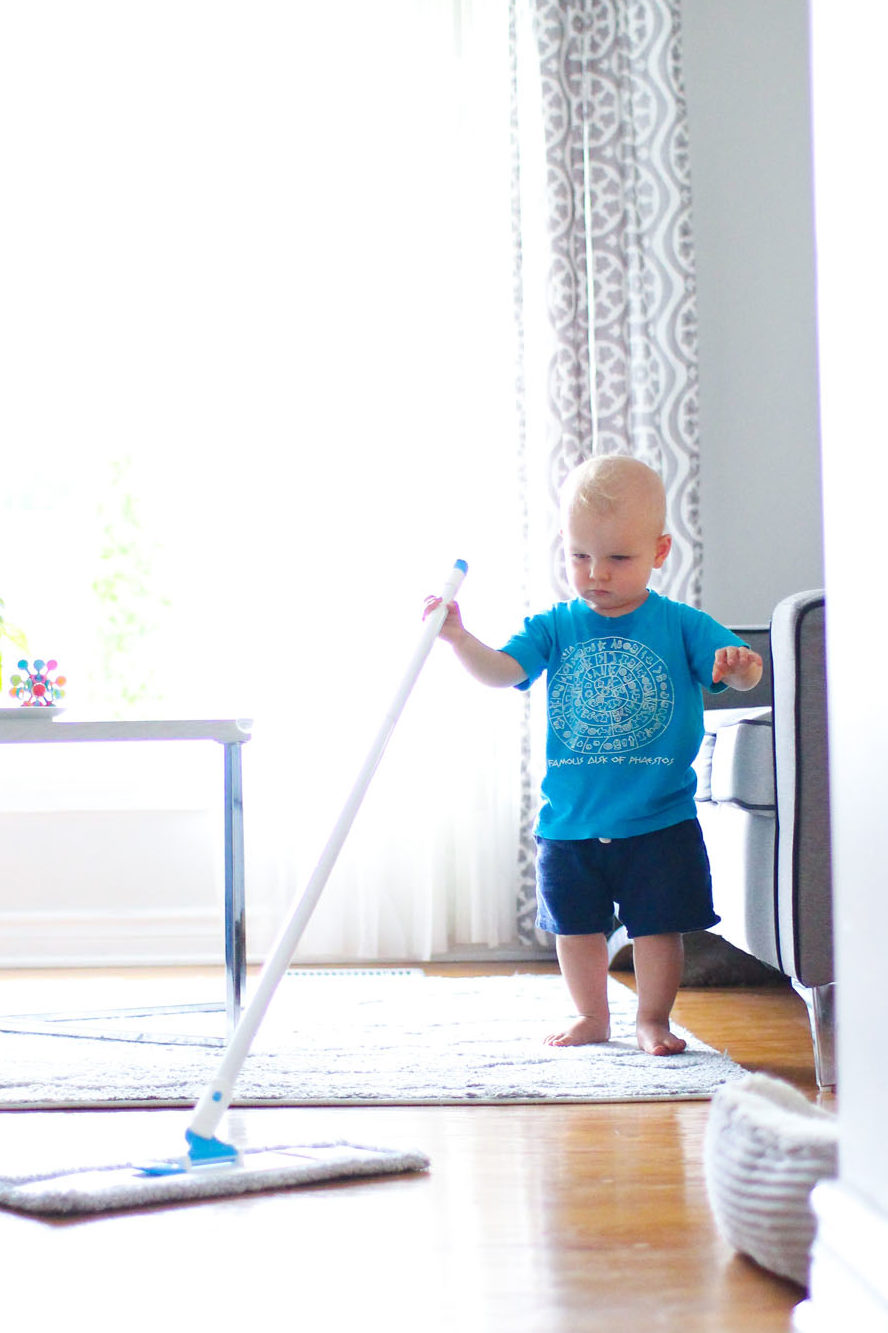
point(610, 481)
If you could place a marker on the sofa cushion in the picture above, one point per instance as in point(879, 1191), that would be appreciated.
point(736, 759)
point(740, 846)
point(703, 767)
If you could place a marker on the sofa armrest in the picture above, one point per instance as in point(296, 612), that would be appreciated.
point(803, 876)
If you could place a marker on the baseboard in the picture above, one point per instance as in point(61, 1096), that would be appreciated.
point(849, 1276)
point(102, 939)
point(487, 953)
point(190, 937)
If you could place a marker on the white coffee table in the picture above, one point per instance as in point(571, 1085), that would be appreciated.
point(46, 726)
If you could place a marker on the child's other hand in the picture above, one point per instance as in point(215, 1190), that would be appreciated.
point(740, 668)
point(453, 628)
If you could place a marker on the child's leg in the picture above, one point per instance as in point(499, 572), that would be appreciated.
point(658, 966)
point(583, 960)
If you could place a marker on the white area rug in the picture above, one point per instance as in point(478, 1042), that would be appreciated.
point(341, 1038)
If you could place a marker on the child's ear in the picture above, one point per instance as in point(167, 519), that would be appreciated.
point(664, 546)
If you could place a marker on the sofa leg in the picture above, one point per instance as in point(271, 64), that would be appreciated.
point(821, 1002)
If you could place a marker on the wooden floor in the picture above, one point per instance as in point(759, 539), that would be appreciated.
point(546, 1219)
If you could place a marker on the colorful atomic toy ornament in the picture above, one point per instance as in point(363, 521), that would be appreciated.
point(37, 689)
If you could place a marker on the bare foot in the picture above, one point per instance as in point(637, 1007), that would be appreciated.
point(656, 1039)
point(584, 1032)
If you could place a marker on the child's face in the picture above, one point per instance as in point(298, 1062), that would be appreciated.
point(609, 557)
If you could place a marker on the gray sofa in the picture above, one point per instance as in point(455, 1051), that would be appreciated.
point(763, 804)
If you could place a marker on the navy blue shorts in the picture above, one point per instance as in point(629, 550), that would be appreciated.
point(657, 883)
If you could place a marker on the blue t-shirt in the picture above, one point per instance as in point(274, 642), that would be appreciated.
point(625, 713)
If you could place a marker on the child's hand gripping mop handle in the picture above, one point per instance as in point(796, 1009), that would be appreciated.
point(217, 1096)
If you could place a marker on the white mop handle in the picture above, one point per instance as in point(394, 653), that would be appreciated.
point(216, 1097)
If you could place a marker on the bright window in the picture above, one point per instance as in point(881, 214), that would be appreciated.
point(258, 380)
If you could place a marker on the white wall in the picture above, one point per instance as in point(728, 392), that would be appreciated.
point(746, 81)
point(849, 1285)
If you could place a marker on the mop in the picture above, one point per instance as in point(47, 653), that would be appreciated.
point(211, 1167)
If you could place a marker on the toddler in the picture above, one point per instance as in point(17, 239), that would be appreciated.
point(617, 830)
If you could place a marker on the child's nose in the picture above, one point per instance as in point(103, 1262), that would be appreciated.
point(598, 569)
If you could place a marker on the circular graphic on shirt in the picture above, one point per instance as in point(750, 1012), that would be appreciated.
point(610, 696)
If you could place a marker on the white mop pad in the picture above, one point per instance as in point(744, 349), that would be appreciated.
point(766, 1147)
point(89, 1189)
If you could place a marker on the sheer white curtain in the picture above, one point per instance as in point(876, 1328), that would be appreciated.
point(257, 289)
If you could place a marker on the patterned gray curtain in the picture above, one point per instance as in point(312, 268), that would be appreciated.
point(603, 222)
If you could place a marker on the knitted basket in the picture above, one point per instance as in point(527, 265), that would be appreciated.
point(765, 1149)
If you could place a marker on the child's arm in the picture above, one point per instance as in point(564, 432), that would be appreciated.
point(488, 665)
point(740, 668)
